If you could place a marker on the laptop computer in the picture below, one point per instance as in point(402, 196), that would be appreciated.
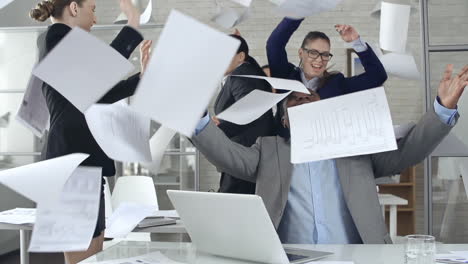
point(235, 226)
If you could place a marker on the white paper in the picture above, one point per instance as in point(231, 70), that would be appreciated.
point(166, 213)
point(69, 225)
point(18, 216)
point(5, 120)
point(348, 125)
point(125, 218)
point(88, 68)
point(401, 66)
point(4, 3)
point(462, 258)
point(121, 132)
point(229, 18)
point(245, 3)
point(251, 107)
point(180, 81)
point(304, 8)
point(278, 83)
point(158, 144)
point(375, 13)
point(330, 262)
point(146, 15)
point(33, 112)
point(394, 22)
point(42, 181)
point(150, 258)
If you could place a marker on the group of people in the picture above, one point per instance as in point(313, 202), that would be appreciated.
point(329, 201)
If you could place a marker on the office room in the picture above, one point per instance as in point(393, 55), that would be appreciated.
point(233, 131)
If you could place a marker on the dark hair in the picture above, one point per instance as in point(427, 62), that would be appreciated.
point(314, 35)
point(243, 45)
point(311, 36)
point(51, 8)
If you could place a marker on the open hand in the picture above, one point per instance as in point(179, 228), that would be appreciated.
point(451, 88)
point(348, 33)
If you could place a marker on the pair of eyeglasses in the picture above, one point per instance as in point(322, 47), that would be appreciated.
point(314, 54)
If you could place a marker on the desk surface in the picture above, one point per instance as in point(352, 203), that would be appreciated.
point(186, 252)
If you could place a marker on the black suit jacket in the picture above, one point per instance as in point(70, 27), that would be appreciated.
point(234, 89)
point(69, 132)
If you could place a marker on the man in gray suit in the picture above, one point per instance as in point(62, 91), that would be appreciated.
point(331, 201)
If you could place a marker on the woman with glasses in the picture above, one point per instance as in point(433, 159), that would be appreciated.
point(314, 55)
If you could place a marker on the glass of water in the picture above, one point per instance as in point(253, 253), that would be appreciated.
point(420, 249)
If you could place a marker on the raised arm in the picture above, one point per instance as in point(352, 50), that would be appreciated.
point(276, 47)
point(226, 155)
point(429, 131)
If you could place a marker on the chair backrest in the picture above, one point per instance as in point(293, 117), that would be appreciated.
point(135, 189)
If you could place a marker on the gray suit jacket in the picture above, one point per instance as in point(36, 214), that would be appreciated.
point(268, 164)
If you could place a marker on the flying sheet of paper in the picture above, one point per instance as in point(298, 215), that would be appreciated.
point(33, 112)
point(69, 225)
point(394, 22)
point(158, 145)
point(121, 132)
point(4, 3)
point(125, 218)
point(375, 13)
point(178, 98)
point(18, 216)
point(278, 83)
point(150, 258)
point(52, 173)
point(146, 15)
point(84, 76)
point(401, 65)
point(245, 3)
point(348, 125)
point(305, 8)
point(251, 107)
point(229, 18)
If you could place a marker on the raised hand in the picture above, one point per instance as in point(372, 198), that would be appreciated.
point(348, 33)
point(451, 88)
point(132, 13)
point(145, 53)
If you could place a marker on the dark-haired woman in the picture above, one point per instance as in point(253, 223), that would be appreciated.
point(69, 132)
point(314, 55)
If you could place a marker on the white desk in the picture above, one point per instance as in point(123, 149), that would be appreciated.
point(186, 252)
point(26, 231)
point(392, 201)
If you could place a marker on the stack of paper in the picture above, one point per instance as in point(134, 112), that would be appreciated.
point(18, 216)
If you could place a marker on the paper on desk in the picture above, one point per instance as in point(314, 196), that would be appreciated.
point(84, 76)
point(166, 213)
point(69, 224)
point(121, 132)
point(278, 83)
point(251, 107)
point(229, 18)
point(146, 15)
point(452, 256)
point(304, 8)
point(394, 22)
point(150, 258)
point(18, 216)
point(52, 173)
point(177, 86)
point(4, 3)
point(125, 218)
point(348, 125)
point(400, 65)
point(158, 145)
